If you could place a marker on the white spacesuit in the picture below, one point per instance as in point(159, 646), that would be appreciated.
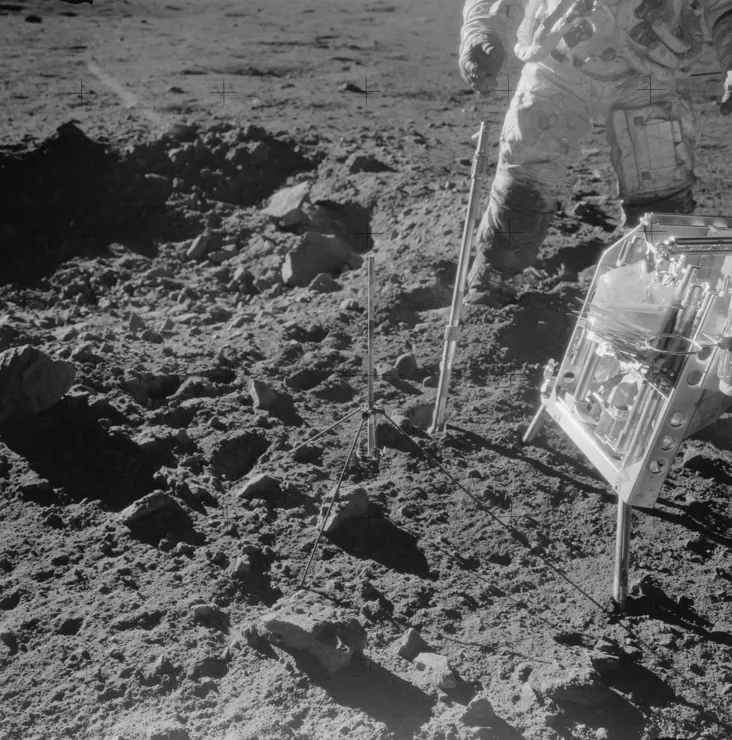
point(585, 60)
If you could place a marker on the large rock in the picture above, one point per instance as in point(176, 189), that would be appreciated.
point(202, 245)
point(278, 403)
point(407, 367)
point(285, 204)
point(9, 637)
point(606, 656)
point(438, 667)
point(580, 684)
point(156, 513)
point(411, 644)
point(317, 253)
point(259, 485)
point(234, 454)
point(307, 622)
point(168, 730)
point(479, 713)
point(366, 163)
point(30, 381)
point(351, 504)
point(263, 395)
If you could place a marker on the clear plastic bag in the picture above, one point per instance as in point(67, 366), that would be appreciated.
point(636, 296)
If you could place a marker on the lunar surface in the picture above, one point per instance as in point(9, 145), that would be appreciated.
point(190, 196)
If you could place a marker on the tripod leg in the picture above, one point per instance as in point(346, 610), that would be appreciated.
point(537, 423)
point(327, 429)
point(332, 501)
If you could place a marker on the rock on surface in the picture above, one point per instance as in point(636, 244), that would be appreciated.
point(580, 685)
point(479, 713)
point(208, 614)
point(202, 245)
point(420, 414)
point(278, 403)
point(260, 485)
point(242, 567)
point(317, 253)
point(411, 644)
point(262, 727)
point(234, 454)
point(30, 381)
point(406, 365)
point(324, 283)
point(606, 656)
point(167, 731)
point(307, 622)
point(285, 204)
point(263, 395)
point(351, 504)
point(8, 637)
point(158, 510)
point(366, 163)
point(439, 667)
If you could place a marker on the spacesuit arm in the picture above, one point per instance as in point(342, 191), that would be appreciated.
point(489, 20)
point(718, 18)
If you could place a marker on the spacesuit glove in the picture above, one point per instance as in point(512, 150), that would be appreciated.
point(480, 65)
point(725, 106)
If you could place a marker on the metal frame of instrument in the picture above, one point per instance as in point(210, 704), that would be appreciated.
point(631, 430)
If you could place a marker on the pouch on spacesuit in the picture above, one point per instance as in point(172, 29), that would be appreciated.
point(650, 153)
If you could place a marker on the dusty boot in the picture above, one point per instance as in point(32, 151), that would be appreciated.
point(489, 286)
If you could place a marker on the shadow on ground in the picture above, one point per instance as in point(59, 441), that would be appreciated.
point(654, 603)
point(370, 688)
point(621, 719)
point(375, 537)
point(71, 195)
point(68, 447)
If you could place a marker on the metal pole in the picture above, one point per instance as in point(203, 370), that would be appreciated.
point(371, 425)
point(452, 330)
point(622, 553)
point(537, 423)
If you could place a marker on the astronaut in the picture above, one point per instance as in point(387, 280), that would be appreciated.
point(584, 61)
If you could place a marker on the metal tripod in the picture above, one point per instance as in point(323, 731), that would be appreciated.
point(368, 414)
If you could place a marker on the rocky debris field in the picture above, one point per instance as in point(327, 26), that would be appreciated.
point(182, 310)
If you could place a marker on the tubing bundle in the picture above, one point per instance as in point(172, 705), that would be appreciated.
point(627, 340)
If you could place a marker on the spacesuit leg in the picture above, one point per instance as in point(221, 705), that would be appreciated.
point(543, 126)
point(652, 142)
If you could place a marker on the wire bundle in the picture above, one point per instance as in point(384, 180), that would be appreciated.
point(628, 340)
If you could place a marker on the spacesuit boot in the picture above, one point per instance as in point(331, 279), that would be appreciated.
point(489, 286)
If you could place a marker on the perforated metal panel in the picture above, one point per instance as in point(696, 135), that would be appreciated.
point(628, 411)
